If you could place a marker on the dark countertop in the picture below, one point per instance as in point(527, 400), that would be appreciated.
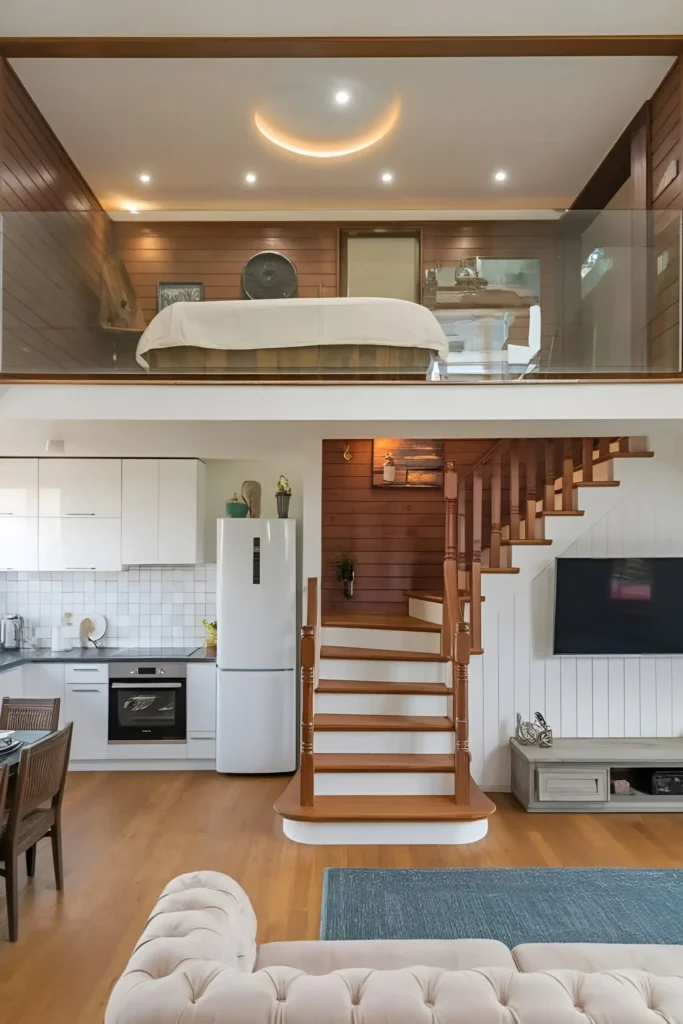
point(15, 658)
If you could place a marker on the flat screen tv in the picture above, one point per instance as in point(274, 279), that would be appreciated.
point(619, 606)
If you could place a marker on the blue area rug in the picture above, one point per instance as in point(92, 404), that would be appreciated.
point(513, 905)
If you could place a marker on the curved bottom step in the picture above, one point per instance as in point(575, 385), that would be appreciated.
point(385, 833)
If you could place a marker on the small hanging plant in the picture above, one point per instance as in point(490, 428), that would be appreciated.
point(346, 572)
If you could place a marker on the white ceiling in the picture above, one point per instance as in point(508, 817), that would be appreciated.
point(352, 17)
point(189, 123)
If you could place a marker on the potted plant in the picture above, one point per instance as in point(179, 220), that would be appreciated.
point(346, 572)
point(283, 496)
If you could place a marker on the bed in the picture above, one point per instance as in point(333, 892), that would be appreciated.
point(293, 336)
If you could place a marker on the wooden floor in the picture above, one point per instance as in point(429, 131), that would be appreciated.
point(127, 834)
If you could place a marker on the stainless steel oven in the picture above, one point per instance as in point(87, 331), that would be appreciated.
point(148, 703)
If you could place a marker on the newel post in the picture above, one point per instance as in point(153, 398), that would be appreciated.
point(308, 683)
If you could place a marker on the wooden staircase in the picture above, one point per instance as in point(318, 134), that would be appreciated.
point(385, 755)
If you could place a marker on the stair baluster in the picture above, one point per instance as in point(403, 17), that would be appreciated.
point(475, 575)
point(567, 475)
point(496, 510)
point(530, 517)
point(514, 491)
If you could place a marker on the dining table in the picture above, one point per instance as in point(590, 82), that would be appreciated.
point(27, 738)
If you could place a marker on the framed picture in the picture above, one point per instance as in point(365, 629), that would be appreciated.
point(169, 292)
point(401, 463)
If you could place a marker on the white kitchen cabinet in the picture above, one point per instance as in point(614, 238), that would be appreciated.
point(42, 681)
point(18, 487)
point(79, 488)
point(18, 543)
point(76, 544)
point(11, 682)
point(162, 512)
point(140, 512)
point(201, 699)
point(87, 706)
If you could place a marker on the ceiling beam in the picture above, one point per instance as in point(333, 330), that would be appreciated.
point(345, 46)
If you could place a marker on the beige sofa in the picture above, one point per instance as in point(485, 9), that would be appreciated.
point(197, 962)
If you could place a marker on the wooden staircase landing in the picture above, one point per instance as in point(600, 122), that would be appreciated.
point(383, 808)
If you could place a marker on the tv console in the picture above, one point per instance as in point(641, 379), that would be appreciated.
point(578, 774)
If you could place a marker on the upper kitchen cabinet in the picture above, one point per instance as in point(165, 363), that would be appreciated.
point(162, 512)
point(80, 488)
point(18, 543)
point(18, 487)
point(75, 544)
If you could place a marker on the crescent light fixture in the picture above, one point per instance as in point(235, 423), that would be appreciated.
point(329, 150)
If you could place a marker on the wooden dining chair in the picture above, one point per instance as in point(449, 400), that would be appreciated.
point(35, 814)
point(30, 713)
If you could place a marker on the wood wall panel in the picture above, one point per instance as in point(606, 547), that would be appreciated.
point(395, 537)
point(55, 236)
point(666, 145)
point(215, 254)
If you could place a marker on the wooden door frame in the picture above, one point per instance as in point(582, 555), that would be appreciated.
point(311, 47)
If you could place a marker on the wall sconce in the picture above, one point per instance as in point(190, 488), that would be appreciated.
point(347, 452)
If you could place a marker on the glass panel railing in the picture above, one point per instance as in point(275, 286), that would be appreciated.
point(594, 293)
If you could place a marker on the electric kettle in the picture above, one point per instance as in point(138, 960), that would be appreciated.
point(11, 631)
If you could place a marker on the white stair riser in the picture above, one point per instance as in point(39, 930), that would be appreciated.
point(385, 833)
point(383, 742)
point(384, 671)
point(384, 784)
point(382, 639)
point(429, 611)
point(380, 704)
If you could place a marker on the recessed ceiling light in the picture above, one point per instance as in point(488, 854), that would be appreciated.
point(342, 97)
point(133, 209)
point(250, 178)
point(145, 178)
point(387, 177)
point(501, 175)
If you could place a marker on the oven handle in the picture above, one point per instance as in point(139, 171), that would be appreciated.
point(146, 684)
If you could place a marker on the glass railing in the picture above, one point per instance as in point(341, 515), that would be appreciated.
point(576, 294)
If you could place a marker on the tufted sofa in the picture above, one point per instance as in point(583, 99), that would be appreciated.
point(197, 962)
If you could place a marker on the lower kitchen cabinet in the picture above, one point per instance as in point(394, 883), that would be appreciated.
point(87, 706)
point(201, 702)
point(11, 682)
point(42, 681)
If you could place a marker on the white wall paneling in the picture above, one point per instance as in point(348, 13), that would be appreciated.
point(579, 696)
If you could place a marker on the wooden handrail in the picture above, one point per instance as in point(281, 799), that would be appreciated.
point(308, 657)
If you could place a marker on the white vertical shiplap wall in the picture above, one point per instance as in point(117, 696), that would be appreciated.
point(586, 696)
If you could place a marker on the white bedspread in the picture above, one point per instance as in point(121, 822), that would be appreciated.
point(293, 323)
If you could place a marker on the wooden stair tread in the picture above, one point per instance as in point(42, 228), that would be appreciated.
point(360, 620)
point(370, 654)
point(434, 598)
point(530, 542)
point(509, 569)
point(623, 455)
point(559, 512)
point(383, 808)
point(596, 483)
point(384, 762)
point(370, 686)
point(382, 723)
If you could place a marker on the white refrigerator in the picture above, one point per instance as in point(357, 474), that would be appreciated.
point(256, 721)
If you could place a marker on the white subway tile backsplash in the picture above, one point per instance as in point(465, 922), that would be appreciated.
point(143, 607)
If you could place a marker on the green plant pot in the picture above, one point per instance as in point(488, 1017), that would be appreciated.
point(236, 509)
